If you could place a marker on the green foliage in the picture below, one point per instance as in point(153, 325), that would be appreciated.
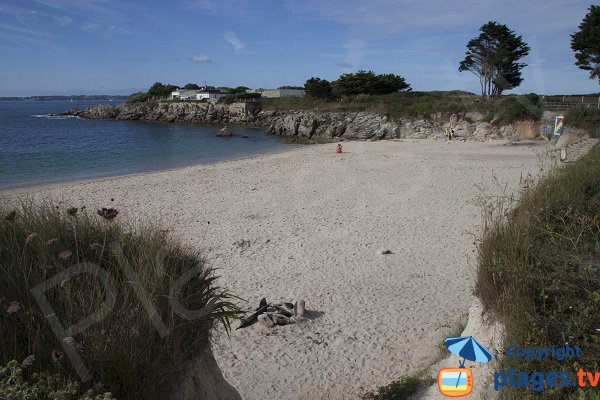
point(586, 43)
point(160, 91)
point(123, 350)
point(518, 108)
point(401, 389)
point(191, 86)
point(493, 57)
point(538, 270)
point(291, 87)
point(17, 384)
point(318, 88)
point(138, 97)
point(585, 118)
point(363, 82)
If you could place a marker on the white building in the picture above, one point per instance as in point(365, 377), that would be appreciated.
point(210, 95)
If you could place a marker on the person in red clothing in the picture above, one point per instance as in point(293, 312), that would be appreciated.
point(338, 149)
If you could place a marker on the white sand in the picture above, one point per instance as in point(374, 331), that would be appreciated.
point(310, 224)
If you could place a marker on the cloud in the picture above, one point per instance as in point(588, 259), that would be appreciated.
point(233, 40)
point(201, 59)
point(138, 59)
point(355, 52)
point(394, 16)
point(63, 20)
point(90, 26)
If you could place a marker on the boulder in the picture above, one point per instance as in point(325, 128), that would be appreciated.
point(224, 132)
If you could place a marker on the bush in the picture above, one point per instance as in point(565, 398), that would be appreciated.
point(511, 109)
point(538, 270)
point(138, 97)
point(16, 384)
point(585, 118)
point(124, 350)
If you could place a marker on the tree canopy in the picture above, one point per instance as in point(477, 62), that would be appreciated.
point(586, 43)
point(191, 86)
point(318, 88)
point(366, 82)
point(160, 91)
point(493, 57)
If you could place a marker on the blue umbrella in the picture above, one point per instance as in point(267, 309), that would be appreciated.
point(468, 348)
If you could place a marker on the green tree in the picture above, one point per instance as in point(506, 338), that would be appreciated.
point(363, 82)
point(493, 57)
point(586, 43)
point(160, 91)
point(191, 86)
point(291, 87)
point(318, 88)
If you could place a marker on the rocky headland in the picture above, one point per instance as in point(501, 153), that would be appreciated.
point(306, 125)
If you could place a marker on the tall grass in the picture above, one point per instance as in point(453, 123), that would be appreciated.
point(124, 350)
point(539, 270)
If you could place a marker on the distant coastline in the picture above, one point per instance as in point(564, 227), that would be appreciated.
point(67, 98)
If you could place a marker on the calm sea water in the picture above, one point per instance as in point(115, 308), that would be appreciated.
point(38, 148)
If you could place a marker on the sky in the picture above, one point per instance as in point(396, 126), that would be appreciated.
point(114, 47)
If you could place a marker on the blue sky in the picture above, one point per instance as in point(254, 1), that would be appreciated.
point(122, 46)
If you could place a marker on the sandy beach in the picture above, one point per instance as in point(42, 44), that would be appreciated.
point(310, 224)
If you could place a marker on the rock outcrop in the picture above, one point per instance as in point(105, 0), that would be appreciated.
point(305, 125)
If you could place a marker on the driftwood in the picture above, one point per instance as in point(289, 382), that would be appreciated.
point(271, 314)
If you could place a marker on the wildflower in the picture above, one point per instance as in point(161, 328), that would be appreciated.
point(63, 255)
point(72, 211)
point(51, 242)
point(13, 307)
point(28, 361)
point(57, 355)
point(11, 215)
point(108, 213)
point(31, 237)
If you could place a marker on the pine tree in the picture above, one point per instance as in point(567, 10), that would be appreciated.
point(586, 43)
point(493, 57)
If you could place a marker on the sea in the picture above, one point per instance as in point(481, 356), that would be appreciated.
point(38, 146)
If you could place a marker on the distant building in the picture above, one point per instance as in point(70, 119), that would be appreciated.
point(210, 94)
point(273, 93)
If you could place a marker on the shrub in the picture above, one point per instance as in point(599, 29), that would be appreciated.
point(138, 97)
point(124, 349)
point(518, 108)
point(585, 118)
point(17, 384)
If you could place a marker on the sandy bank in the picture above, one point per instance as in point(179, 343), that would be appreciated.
point(310, 224)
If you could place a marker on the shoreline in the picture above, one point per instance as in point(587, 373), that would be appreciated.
point(312, 225)
point(56, 185)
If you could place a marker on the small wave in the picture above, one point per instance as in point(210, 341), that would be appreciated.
point(55, 116)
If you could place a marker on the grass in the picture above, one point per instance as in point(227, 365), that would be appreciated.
point(539, 271)
point(412, 105)
point(123, 350)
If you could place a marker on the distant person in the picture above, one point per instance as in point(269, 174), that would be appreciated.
point(338, 149)
point(449, 132)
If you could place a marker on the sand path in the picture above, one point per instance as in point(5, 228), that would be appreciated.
point(310, 224)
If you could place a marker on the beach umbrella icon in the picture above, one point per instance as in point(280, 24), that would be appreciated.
point(468, 348)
